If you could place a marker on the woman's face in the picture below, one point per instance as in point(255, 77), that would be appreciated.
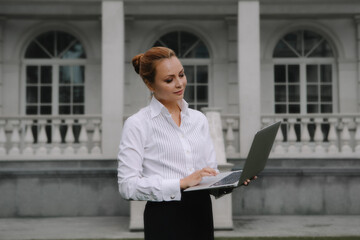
point(170, 81)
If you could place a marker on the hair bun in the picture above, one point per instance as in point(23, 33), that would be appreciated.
point(136, 62)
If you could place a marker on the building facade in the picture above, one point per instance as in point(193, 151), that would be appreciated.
point(67, 84)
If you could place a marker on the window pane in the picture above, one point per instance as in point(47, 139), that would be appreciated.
point(171, 41)
point(64, 94)
point(46, 94)
point(202, 74)
point(75, 51)
point(189, 94)
point(35, 51)
point(78, 74)
point(283, 51)
point(280, 108)
point(326, 73)
point(79, 109)
point(189, 72)
point(310, 40)
point(200, 51)
point(279, 71)
point(65, 74)
point(64, 109)
point(78, 94)
point(31, 94)
point(202, 93)
point(323, 50)
point(45, 110)
point(187, 41)
point(312, 108)
point(312, 73)
point(326, 93)
point(312, 94)
point(294, 108)
point(63, 41)
point(32, 74)
point(294, 39)
point(326, 108)
point(46, 74)
point(31, 110)
point(294, 93)
point(293, 74)
point(280, 93)
point(47, 40)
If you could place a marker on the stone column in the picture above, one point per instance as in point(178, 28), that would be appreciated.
point(248, 71)
point(357, 21)
point(112, 76)
point(2, 21)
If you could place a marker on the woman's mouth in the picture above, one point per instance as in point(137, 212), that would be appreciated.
point(179, 92)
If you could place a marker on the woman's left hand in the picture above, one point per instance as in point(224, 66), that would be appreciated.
point(247, 181)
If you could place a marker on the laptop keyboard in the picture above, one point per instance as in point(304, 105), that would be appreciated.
point(230, 179)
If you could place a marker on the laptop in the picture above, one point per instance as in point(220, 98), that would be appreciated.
point(255, 162)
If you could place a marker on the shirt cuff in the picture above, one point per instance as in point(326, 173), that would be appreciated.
point(171, 190)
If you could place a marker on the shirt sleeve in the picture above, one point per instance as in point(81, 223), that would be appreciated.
point(132, 184)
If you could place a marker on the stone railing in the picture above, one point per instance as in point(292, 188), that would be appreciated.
point(33, 137)
point(316, 135)
point(230, 126)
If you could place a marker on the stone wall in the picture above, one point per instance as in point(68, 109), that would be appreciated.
point(89, 188)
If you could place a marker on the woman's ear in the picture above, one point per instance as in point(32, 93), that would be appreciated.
point(149, 85)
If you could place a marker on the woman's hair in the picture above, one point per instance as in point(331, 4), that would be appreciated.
point(145, 63)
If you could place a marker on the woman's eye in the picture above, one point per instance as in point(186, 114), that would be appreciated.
point(168, 80)
point(181, 74)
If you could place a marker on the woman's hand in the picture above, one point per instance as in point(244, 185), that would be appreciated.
point(247, 181)
point(196, 177)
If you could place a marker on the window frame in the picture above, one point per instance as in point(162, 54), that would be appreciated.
point(303, 62)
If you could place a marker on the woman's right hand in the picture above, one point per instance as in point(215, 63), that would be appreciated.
point(196, 177)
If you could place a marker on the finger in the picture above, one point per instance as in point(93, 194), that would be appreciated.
point(210, 171)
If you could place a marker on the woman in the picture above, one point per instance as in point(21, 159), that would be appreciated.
point(166, 148)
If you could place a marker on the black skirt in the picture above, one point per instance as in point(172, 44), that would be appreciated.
point(190, 218)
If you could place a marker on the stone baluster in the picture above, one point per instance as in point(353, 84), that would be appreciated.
point(69, 138)
point(56, 138)
point(319, 137)
point(279, 139)
point(28, 139)
point(96, 138)
point(83, 138)
point(305, 136)
point(42, 138)
point(15, 138)
point(2, 138)
point(345, 137)
point(292, 136)
point(357, 137)
point(230, 149)
point(332, 137)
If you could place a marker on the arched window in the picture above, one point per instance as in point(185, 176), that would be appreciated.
point(195, 58)
point(55, 75)
point(55, 78)
point(303, 74)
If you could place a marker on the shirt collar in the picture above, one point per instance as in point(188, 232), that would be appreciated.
point(157, 107)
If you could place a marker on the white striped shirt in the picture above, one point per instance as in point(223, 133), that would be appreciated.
point(154, 153)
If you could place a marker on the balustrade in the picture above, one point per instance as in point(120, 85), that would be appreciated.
point(335, 135)
point(31, 137)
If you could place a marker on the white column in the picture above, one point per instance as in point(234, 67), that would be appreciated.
point(112, 75)
point(248, 71)
point(1, 63)
point(357, 22)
